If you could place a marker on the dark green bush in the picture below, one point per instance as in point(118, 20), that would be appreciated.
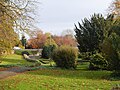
point(65, 57)
point(98, 62)
point(47, 50)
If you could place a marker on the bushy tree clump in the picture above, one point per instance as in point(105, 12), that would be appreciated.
point(65, 57)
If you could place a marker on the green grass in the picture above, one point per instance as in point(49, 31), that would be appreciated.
point(19, 52)
point(58, 79)
point(13, 60)
point(55, 78)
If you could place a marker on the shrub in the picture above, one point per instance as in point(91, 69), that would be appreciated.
point(65, 57)
point(47, 50)
point(98, 62)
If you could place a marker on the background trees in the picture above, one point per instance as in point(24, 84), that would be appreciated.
point(65, 40)
point(37, 39)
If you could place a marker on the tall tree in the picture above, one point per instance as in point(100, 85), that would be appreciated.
point(15, 15)
point(90, 33)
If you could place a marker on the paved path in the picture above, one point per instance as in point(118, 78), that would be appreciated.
point(13, 71)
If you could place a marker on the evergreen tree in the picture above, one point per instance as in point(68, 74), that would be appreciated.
point(90, 33)
point(23, 41)
point(111, 46)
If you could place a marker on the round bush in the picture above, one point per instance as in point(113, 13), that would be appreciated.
point(65, 57)
point(98, 62)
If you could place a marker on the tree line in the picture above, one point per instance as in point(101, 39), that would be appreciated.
point(39, 39)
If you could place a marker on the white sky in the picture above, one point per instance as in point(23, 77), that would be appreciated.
point(58, 15)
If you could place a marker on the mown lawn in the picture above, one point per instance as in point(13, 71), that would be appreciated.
point(14, 60)
point(59, 79)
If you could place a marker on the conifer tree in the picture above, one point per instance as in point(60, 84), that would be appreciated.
point(90, 34)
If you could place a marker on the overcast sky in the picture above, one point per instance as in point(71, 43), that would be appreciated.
point(58, 15)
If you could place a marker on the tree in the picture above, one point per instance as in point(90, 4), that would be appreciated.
point(23, 41)
point(14, 16)
point(115, 8)
point(111, 46)
point(19, 12)
point(67, 40)
point(8, 38)
point(90, 33)
point(37, 39)
point(49, 41)
point(49, 46)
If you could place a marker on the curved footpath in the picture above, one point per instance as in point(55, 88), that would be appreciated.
point(13, 71)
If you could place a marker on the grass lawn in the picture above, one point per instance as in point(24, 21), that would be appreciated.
point(14, 60)
point(56, 79)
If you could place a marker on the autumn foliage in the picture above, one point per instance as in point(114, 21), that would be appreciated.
point(65, 40)
point(39, 39)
